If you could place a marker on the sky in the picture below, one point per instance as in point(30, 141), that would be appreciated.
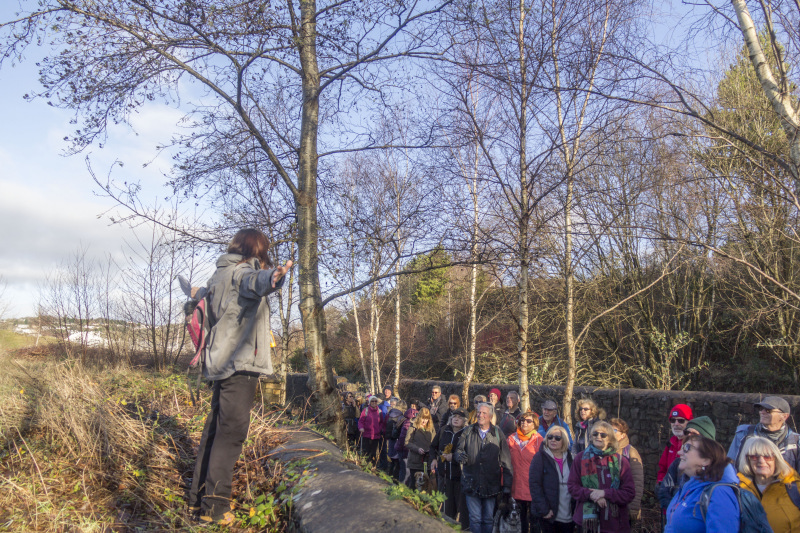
point(49, 205)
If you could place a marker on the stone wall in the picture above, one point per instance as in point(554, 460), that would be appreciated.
point(645, 411)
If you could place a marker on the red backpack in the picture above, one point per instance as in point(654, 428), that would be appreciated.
point(197, 323)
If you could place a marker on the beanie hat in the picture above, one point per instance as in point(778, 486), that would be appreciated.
point(459, 412)
point(388, 387)
point(496, 391)
point(681, 411)
point(704, 426)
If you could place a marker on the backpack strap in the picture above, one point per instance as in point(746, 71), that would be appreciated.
point(705, 496)
point(794, 493)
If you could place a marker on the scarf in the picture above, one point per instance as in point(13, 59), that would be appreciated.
point(776, 437)
point(525, 436)
point(594, 460)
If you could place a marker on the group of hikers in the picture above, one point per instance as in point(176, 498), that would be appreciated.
point(494, 459)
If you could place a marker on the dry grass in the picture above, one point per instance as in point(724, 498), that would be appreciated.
point(108, 450)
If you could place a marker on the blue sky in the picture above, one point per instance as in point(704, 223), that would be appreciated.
point(49, 205)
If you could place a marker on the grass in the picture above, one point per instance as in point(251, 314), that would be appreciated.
point(101, 449)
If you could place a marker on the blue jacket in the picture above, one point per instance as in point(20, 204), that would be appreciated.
point(684, 515)
point(556, 422)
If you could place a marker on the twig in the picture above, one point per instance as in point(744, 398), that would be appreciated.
point(38, 471)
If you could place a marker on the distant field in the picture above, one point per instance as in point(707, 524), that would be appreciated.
point(10, 341)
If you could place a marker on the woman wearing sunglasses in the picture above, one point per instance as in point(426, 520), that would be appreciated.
point(551, 504)
point(705, 462)
point(602, 484)
point(523, 445)
point(764, 472)
point(588, 414)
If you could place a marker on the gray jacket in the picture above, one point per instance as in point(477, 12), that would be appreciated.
point(238, 311)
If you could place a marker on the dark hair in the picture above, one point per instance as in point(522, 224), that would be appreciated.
point(250, 243)
point(620, 424)
point(713, 450)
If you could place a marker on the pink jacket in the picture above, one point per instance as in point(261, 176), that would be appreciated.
point(372, 422)
point(521, 463)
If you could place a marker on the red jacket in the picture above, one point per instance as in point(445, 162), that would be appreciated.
point(521, 464)
point(669, 455)
point(372, 422)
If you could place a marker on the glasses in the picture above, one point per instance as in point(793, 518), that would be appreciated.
point(687, 447)
point(770, 411)
point(526, 421)
point(755, 457)
point(616, 430)
point(585, 409)
point(436, 393)
point(599, 434)
point(548, 408)
point(556, 438)
point(677, 420)
point(452, 403)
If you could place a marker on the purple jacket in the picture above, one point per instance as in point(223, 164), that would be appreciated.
point(400, 445)
point(372, 422)
point(621, 496)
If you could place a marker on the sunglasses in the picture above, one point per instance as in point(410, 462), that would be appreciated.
point(687, 447)
point(765, 410)
point(755, 457)
point(677, 420)
point(526, 421)
point(556, 438)
point(585, 409)
point(599, 434)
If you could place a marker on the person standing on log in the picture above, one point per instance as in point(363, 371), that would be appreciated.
point(236, 354)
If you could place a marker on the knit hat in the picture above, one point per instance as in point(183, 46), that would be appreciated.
point(704, 426)
point(681, 411)
point(496, 391)
point(387, 387)
point(774, 402)
point(459, 412)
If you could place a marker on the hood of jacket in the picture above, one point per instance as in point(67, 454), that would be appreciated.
point(394, 412)
point(410, 413)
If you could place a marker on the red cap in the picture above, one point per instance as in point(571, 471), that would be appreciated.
point(681, 411)
point(496, 391)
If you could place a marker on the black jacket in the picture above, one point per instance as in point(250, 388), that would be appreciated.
point(448, 469)
point(438, 409)
point(543, 482)
point(670, 485)
point(485, 463)
point(508, 422)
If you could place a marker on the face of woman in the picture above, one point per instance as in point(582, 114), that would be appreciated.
point(600, 439)
point(762, 465)
point(554, 441)
point(692, 463)
point(493, 398)
point(374, 404)
point(424, 421)
point(584, 411)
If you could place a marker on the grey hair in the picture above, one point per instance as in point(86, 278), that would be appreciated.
point(436, 387)
point(762, 446)
point(515, 393)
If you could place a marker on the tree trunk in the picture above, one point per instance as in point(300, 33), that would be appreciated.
point(572, 363)
point(325, 398)
point(776, 93)
point(473, 285)
point(524, 223)
point(397, 335)
point(374, 329)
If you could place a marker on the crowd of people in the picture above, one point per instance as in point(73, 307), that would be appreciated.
point(495, 460)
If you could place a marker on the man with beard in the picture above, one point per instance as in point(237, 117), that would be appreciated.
point(679, 416)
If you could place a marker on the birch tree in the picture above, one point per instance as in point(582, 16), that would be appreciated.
point(265, 72)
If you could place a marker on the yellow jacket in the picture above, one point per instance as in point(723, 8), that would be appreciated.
point(783, 515)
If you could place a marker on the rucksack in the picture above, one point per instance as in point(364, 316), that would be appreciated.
point(197, 323)
point(752, 517)
point(395, 427)
point(794, 494)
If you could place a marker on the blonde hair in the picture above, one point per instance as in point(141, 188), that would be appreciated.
point(609, 429)
point(762, 446)
point(424, 413)
point(564, 437)
point(594, 411)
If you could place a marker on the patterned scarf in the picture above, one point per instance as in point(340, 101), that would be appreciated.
point(593, 461)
